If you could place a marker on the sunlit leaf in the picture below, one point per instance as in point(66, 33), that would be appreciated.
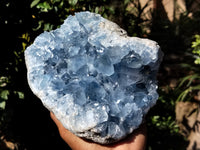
point(73, 2)
point(34, 3)
point(97, 10)
point(126, 2)
point(3, 81)
point(20, 94)
point(2, 105)
point(188, 79)
point(39, 25)
point(197, 61)
point(44, 7)
point(4, 94)
point(48, 27)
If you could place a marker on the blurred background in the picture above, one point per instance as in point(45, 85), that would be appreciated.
point(173, 123)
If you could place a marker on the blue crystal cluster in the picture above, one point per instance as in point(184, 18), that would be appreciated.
point(99, 82)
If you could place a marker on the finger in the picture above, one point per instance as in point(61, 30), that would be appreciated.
point(72, 140)
point(136, 140)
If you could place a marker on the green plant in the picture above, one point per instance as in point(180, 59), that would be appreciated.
point(196, 49)
point(3, 92)
point(162, 127)
point(49, 14)
point(191, 83)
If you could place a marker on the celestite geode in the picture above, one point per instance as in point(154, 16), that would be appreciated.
point(99, 82)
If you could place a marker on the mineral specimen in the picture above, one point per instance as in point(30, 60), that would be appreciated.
point(99, 82)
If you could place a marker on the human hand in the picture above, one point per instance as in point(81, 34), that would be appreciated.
point(135, 141)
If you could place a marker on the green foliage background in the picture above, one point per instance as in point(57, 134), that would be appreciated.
point(24, 120)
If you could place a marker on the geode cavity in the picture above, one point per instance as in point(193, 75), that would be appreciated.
point(99, 82)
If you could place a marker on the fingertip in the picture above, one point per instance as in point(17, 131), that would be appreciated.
point(52, 116)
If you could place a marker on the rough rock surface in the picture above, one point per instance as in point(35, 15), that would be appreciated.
point(99, 82)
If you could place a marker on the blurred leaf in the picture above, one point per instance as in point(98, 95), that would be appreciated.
point(39, 25)
point(48, 27)
point(44, 7)
point(185, 93)
point(55, 1)
point(4, 94)
point(20, 94)
point(189, 78)
point(26, 39)
point(34, 3)
point(73, 2)
point(197, 61)
point(3, 81)
point(2, 105)
point(189, 66)
point(126, 2)
point(97, 10)
point(196, 49)
point(196, 87)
